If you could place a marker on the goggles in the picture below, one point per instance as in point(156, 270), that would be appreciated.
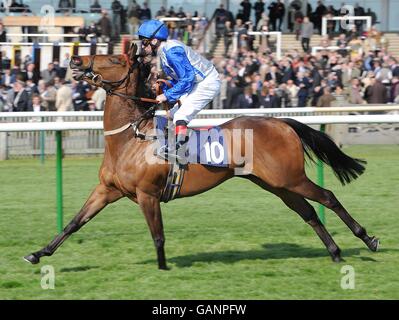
point(145, 41)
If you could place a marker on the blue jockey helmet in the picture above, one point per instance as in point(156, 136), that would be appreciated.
point(153, 29)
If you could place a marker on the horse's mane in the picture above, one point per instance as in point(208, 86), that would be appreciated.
point(144, 85)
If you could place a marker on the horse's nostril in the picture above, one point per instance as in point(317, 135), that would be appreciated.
point(77, 61)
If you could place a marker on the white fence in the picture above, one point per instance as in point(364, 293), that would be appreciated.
point(72, 116)
point(263, 34)
point(33, 134)
point(350, 20)
point(330, 48)
point(197, 123)
point(49, 37)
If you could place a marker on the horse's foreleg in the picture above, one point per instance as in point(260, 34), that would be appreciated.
point(100, 197)
point(152, 211)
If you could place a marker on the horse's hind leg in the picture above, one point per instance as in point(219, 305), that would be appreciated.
point(313, 192)
point(308, 214)
point(298, 204)
point(99, 198)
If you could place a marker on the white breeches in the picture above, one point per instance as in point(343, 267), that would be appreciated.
point(202, 94)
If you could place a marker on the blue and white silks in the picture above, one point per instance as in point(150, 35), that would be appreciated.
point(195, 80)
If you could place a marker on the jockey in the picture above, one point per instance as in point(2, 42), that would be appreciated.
point(195, 80)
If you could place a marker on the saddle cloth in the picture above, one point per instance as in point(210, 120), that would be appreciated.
point(205, 146)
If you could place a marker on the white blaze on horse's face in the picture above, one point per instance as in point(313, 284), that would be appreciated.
point(139, 49)
point(77, 74)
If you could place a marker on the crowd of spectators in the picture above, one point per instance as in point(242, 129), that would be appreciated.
point(127, 19)
point(22, 88)
point(119, 19)
point(361, 70)
point(253, 78)
point(273, 15)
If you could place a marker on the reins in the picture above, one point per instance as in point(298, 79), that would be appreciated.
point(111, 86)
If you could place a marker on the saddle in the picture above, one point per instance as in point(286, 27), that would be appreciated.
point(205, 146)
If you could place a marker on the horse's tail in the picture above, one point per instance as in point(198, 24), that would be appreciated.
point(345, 168)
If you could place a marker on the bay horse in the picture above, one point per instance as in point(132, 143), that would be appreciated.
point(279, 149)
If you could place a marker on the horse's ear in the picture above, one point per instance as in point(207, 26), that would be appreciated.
point(133, 51)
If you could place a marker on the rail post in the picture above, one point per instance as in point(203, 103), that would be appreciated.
point(42, 145)
point(60, 213)
point(320, 180)
point(3, 145)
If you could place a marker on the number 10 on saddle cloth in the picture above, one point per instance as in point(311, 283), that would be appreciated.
point(206, 146)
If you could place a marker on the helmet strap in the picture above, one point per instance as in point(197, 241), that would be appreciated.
point(156, 31)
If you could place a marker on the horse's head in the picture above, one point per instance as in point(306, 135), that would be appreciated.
point(112, 72)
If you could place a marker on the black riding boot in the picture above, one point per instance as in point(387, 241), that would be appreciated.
point(181, 142)
point(176, 152)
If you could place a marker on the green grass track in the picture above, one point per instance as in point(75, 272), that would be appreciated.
point(234, 242)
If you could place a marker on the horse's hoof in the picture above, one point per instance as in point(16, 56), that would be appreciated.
point(337, 259)
point(32, 258)
point(374, 244)
point(165, 268)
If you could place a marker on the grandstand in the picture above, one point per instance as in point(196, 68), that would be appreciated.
point(289, 43)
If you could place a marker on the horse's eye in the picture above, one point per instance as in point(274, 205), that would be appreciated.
point(114, 61)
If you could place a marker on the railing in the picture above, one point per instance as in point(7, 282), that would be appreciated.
point(14, 37)
point(80, 140)
point(61, 35)
point(344, 18)
point(329, 48)
point(50, 44)
point(278, 35)
point(173, 19)
point(197, 123)
point(70, 116)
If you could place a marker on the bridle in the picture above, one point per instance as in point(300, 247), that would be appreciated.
point(110, 88)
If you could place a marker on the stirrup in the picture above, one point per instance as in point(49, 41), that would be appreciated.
point(169, 155)
point(164, 153)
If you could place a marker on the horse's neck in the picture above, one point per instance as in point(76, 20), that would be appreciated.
point(118, 112)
